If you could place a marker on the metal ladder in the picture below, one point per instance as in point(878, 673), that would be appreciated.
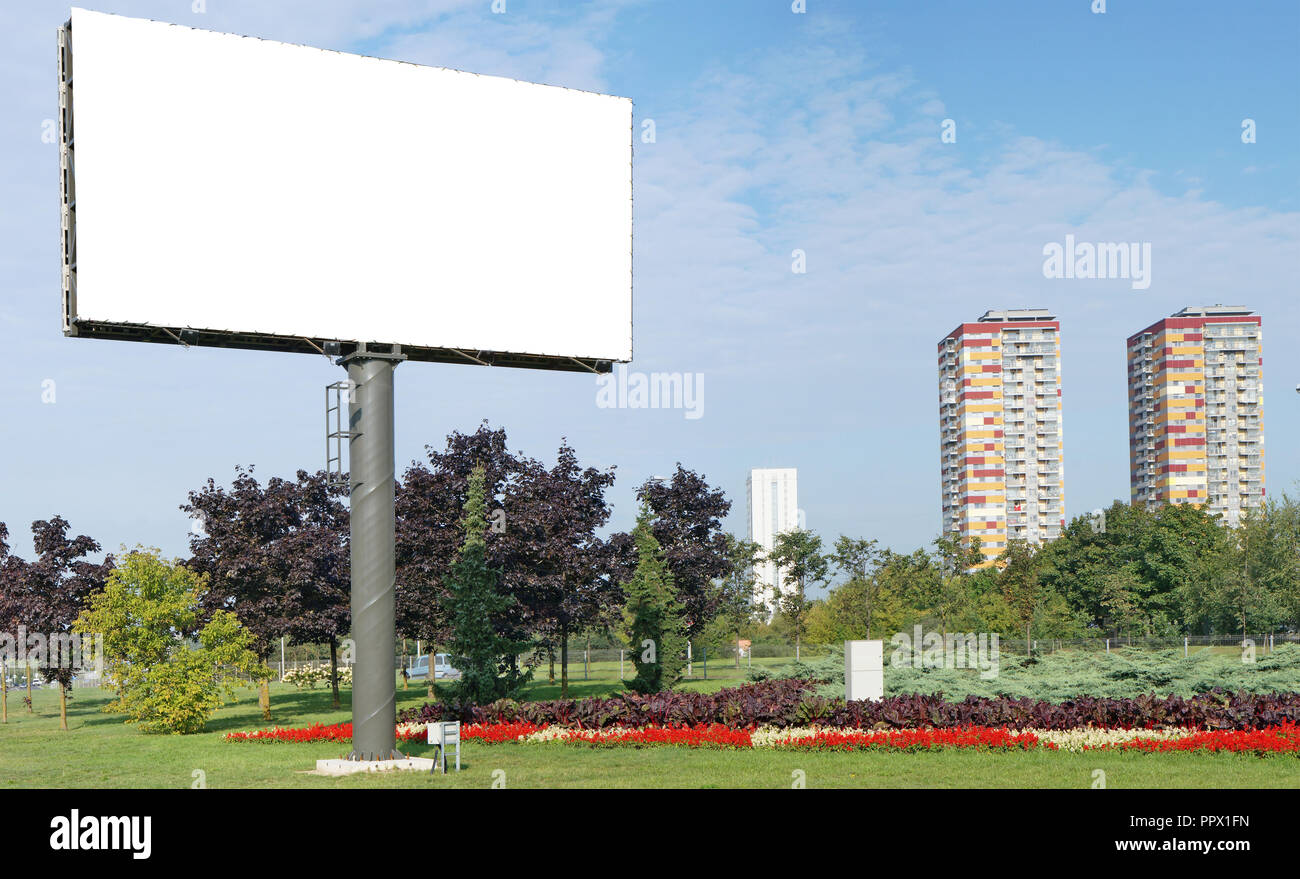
point(335, 431)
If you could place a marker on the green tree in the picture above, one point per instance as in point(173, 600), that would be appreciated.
point(897, 577)
point(854, 601)
point(653, 615)
point(1164, 559)
point(1275, 560)
point(1020, 583)
point(735, 607)
point(836, 618)
point(169, 670)
point(1120, 589)
point(798, 555)
point(1243, 587)
point(953, 562)
point(477, 611)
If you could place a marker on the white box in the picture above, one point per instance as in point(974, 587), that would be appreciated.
point(864, 670)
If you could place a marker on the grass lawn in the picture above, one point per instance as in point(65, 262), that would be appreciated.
point(100, 751)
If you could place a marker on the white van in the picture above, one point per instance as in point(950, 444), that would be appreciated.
point(442, 668)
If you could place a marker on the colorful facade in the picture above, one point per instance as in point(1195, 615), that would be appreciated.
point(1196, 411)
point(1001, 430)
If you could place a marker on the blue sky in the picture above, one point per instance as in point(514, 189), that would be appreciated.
point(775, 132)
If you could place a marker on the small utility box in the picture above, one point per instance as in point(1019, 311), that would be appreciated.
point(864, 670)
point(444, 736)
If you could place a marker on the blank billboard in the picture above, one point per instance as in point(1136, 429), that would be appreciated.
point(225, 190)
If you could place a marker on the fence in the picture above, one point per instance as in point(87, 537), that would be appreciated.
point(728, 662)
point(721, 662)
point(1264, 643)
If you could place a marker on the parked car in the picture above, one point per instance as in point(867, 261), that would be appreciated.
point(442, 668)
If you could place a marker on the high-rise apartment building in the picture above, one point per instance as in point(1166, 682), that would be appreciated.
point(772, 499)
point(1196, 411)
point(1000, 429)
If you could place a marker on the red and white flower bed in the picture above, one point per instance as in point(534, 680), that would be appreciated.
point(1281, 739)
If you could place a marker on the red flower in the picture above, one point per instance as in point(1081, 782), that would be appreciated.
point(1281, 739)
point(338, 732)
point(495, 733)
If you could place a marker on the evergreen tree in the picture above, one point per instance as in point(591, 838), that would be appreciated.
point(654, 616)
point(476, 609)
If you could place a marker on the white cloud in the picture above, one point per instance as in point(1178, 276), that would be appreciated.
point(812, 146)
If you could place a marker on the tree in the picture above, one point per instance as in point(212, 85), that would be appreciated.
point(905, 581)
point(430, 502)
point(1273, 545)
point(798, 555)
point(49, 594)
point(476, 610)
point(1020, 583)
point(1120, 589)
point(565, 571)
point(252, 551)
point(854, 558)
point(8, 613)
point(169, 669)
point(654, 617)
point(735, 607)
point(953, 561)
point(1243, 586)
point(1165, 555)
point(319, 573)
point(688, 516)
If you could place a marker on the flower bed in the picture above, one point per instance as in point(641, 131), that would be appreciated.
point(316, 732)
point(908, 739)
point(1275, 740)
point(795, 703)
point(1281, 739)
point(713, 735)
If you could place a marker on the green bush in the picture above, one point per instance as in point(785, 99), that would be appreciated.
point(170, 674)
point(1054, 677)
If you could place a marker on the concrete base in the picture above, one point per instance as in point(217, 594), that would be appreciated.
point(351, 767)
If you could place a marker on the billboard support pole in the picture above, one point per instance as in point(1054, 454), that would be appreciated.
point(373, 548)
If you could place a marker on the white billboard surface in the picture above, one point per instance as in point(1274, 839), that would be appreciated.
point(262, 193)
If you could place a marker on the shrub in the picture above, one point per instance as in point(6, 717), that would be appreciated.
point(771, 702)
point(793, 703)
point(1056, 677)
point(169, 673)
